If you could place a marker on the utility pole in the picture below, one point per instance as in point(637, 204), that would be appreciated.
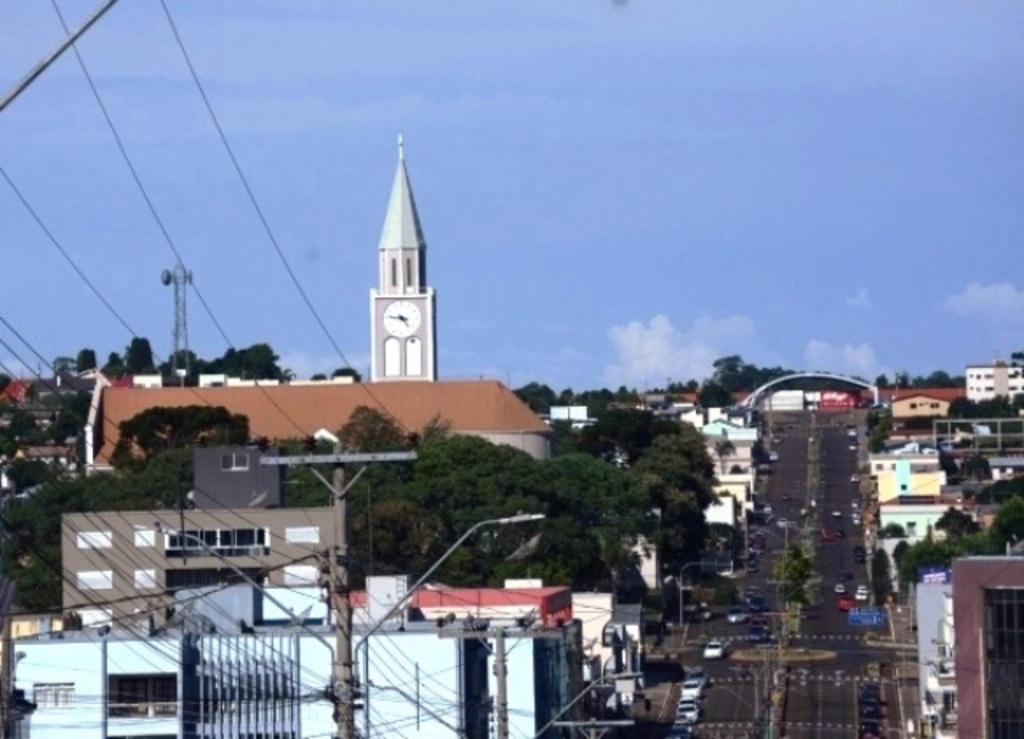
point(477, 629)
point(343, 687)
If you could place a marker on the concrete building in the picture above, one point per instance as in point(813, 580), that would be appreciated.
point(233, 665)
point(906, 478)
point(987, 381)
point(133, 561)
point(1006, 468)
point(935, 648)
point(988, 604)
point(924, 402)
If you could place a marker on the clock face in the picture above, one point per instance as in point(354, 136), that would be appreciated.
point(402, 318)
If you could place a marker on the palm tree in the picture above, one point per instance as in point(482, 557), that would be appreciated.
point(723, 449)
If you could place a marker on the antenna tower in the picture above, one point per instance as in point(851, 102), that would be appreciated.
point(180, 278)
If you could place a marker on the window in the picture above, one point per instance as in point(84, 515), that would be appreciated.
point(302, 535)
point(300, 575)
point(96, 580)
point(394, 272)
point(408, 271)
point(234, 462)
point(218, 542)
point(142, 696)
point(145, 538)
point(53, 695)
point(94, 540)
point(145, 579)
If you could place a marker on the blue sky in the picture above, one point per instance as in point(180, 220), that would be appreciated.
point(612, 192)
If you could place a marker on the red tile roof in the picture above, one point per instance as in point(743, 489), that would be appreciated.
point(295, 411)
point(947, 394)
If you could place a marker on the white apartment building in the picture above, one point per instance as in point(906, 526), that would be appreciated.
point(986, 381)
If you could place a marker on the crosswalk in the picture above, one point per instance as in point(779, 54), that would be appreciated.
point(828, 637)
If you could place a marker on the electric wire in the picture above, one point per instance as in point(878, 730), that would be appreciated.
point(136, 178)
point(264, 222)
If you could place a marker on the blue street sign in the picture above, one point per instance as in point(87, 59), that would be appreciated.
point(865, 617)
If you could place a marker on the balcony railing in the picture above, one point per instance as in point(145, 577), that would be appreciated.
point(142, 710)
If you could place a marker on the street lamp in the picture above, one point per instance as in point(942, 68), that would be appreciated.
point(362, 644)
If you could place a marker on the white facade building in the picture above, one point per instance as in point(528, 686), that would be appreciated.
point(986, 381)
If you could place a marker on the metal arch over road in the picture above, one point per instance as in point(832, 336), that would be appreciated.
point(751, 400)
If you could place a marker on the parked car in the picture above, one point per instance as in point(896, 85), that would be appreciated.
point(869, 730)
point(700, 675)
point(862, 593)
point(870, 711)
point(692, 690)
point(757, 604)
point(714, 650)
point(737, 615)
point(845, 576)
point(855, 478)
point(837, 513)
point(846, 603)
point(853, 447)
point(688, 710)
point(782, 523)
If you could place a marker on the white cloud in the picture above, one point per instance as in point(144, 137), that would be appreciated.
point(1000, 302)
point(305, 365)
point(654, 352)
point(848, 359)
point(860, 299)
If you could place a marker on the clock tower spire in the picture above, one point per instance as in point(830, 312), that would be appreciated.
point(403, 325)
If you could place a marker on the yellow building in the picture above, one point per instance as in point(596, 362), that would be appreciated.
point(908, 479)
point(917, 402)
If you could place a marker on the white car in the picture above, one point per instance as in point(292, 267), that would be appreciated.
point(856, 519)
point(737, 615)
point(837, 514)
point(692, 690)
point(782, 523)
point(839, 589)
point(862, 593)
point(854, 478)
point(688, 710)
point(699, 674)
point(714, 650)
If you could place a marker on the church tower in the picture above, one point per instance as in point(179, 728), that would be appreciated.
point(403, 323)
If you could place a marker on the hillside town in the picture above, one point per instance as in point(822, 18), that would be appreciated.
point(243, 552)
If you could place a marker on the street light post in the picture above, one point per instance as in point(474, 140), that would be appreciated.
point(364, 642)
point(686, 566)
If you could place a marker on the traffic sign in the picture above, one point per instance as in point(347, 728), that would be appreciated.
point(865, 617)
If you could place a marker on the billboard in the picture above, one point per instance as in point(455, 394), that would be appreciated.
point(837, 400)
point(934, 575)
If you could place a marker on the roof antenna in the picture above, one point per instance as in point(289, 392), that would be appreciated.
point(401, 150)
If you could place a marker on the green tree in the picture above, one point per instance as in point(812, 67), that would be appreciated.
point(956, 523)
point(114, 366)
point(882, 382)
point(86, 360)
point(714, 395)
point(1008, 527)
point(539, 397)
point(881, 576)
point(793, 570)
point(138, 358)
point(620, 433)
point(257, 362)
point(347, 372)
point(723, 450)
point(160, 428)
point(892, 531)
point(371, 430)
point(63, 366)
point(899, 552)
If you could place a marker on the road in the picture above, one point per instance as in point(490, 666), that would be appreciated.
point(810, 481)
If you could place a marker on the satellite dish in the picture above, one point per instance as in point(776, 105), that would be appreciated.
point(165, 277)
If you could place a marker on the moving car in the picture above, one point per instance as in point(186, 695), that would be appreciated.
point(862, 593)
point(845, 604)
point(839, 589)
point(737, 615)
point(688, 711)
point(855, 478)
point(837, 513)
point(759, 635)
point(870, 711)
point(757, 604)
point(853, 447)
point(714, 650)
point(692, 690)
point(828, 535)
point(869, 730)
